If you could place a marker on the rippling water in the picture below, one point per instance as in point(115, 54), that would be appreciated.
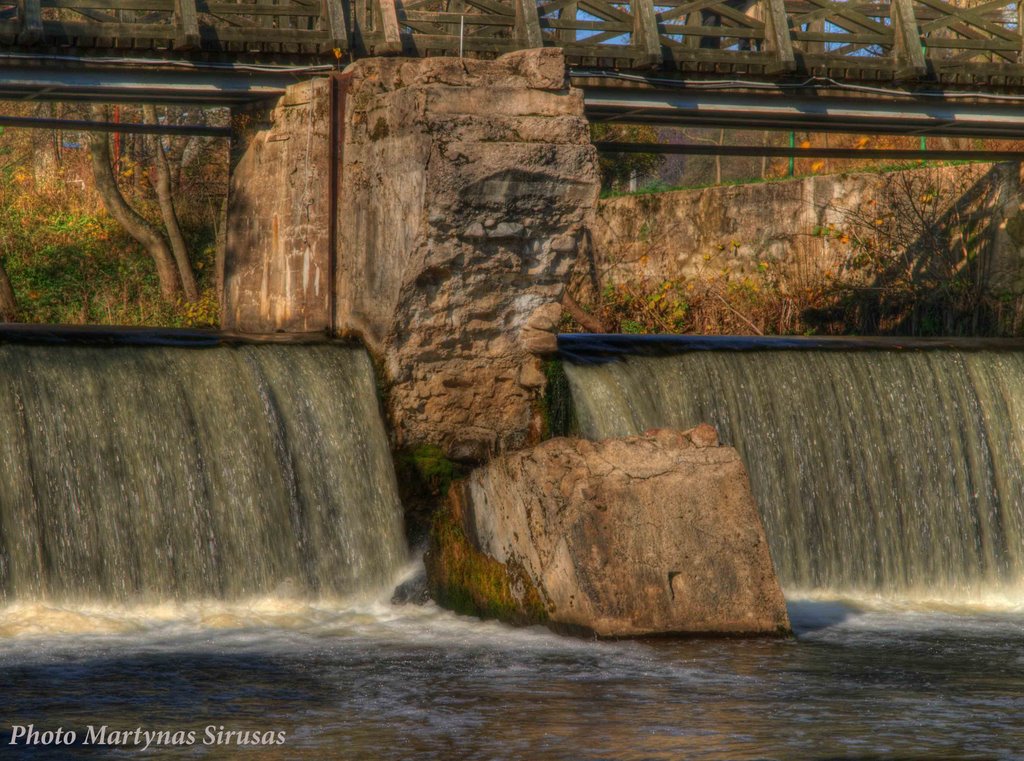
point(865, 678)
point(862, 679)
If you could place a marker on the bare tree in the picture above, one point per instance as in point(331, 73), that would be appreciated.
point(8, 306)
point(710, 141)
point(165, 197)
point(133, 222)
point(922, 253)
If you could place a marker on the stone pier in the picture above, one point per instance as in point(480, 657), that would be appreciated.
point(277, 265)
point(462, 191)
point(434, 209)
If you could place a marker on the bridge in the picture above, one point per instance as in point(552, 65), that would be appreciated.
point(902, 66)
point(846, 40)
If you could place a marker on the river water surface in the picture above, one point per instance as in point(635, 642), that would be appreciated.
point(862, 679)
point(239, 482)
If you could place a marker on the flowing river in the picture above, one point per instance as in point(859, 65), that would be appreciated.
point(204, 540)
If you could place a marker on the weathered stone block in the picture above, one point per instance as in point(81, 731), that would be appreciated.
point(644, 535)
point(452, 200)
point(277, 267)
point(464, 188)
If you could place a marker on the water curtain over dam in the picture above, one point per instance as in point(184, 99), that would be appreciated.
point(150, 473)
point(899, 472)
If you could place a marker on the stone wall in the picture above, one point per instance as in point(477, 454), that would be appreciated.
point(466, 189)
point(277, 267)
point(786, 224)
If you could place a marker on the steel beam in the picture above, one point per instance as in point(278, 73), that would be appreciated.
point(137, 84)
point(785, 110)
point(86, 125)
point(757, 151)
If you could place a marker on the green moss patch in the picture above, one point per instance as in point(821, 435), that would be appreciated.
point(467, 581)
point(425, 475)
point(556, 406)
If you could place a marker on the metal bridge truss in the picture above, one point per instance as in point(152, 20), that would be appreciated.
point(849, 40)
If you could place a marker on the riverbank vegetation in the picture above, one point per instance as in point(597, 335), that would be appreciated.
point(110, 230)
point(626, 173)
point(125, 229)
point(916, 257)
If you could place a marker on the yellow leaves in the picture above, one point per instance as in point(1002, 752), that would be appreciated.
point(805, 143)
point(862, 142)
point(202, 313)
point(817, 166)
point(647, 307)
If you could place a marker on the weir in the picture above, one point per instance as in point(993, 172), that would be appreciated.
point(876, 470)
point(150, 473)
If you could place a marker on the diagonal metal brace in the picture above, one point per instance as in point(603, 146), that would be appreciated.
point(777, 39)
point(910, 60)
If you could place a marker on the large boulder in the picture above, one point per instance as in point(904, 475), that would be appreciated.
point(652, 534)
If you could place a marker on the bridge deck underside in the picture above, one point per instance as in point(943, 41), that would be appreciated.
point(887, 41)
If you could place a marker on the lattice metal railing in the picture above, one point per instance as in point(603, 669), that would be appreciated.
point(843, 38)
point(451, 26)
point(293, 26)
point(595, 31)
point(860, 32)
point(702, 32)
point(984, 36)
point(308, 27)
point(102, 23)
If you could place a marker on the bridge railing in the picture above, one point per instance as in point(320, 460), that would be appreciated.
point(960, 41)
point(303, 27)
point(986, 36)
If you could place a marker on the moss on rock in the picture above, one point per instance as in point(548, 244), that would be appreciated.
point(557, 408)
point(424, 475)
point(465, 580)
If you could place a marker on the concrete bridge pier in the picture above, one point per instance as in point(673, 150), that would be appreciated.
point(434, 209)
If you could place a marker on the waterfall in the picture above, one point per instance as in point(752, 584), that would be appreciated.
point(876, 469)
point(148, 473)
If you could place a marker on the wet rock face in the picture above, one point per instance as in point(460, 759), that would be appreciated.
point(466, 187)
point(651, 534)
point(412, 591)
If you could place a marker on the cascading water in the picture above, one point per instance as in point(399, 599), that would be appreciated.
point(878, 470)
point(141, 474)
point(177, 527)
